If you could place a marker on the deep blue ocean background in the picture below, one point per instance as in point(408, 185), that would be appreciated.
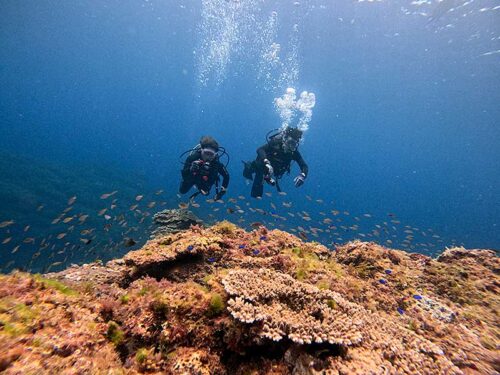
point(97, 96)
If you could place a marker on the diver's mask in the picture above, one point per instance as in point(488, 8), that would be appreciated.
point(290, 144)
point(208, 154)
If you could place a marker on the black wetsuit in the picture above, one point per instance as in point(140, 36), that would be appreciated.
point(280, 161)
point(207, 175)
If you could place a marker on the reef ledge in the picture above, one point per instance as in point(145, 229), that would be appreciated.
point(222, 300)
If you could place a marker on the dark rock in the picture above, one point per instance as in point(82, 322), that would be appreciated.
point(173, 221)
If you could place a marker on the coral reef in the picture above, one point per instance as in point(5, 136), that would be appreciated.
point(222, 300)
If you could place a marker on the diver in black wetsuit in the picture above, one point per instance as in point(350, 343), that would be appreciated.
point(202, 169)
point(274, 159)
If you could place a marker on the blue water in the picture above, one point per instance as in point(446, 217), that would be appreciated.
point(406, 119)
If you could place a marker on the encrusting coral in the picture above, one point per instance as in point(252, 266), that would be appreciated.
point(222, 300)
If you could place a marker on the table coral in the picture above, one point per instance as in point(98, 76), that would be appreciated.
point(285, 307)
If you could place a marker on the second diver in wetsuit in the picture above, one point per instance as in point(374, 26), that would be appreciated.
point(274, 159)
point(202, 169)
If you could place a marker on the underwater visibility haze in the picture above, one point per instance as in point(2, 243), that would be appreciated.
point(397, 100)
point(261, 187)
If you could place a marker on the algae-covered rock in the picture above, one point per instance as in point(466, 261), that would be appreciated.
point(222, 300)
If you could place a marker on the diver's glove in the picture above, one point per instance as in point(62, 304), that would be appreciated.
point(270, 170)
point(220, 194)
point(299, 180)
point(195, 166)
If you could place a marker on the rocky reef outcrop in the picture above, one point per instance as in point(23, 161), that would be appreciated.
point(221, 300)
point(173, 221)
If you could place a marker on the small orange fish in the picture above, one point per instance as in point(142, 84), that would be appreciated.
point(107, 195)
point(60, 236)
point(303, 235)
point(102, 212)
point(68, 219)
point(4, 224)
point(71, 200)
point(82, 218)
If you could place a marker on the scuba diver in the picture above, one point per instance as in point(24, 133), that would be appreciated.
point(274, 159)
point(202, 168)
